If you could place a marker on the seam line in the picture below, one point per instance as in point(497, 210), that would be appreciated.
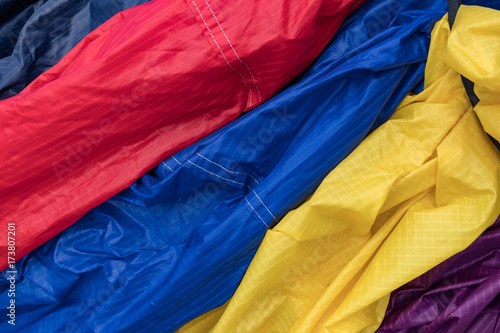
point(229, 180)
point(237, 56)
point(176, 160)
point(240, 173)
point(256, 212)
point(264, 205)
point(169, 168)
point(232, 181)
point(215, 41)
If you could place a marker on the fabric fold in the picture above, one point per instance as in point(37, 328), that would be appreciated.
point(149, 82)
point(459, 295)
point(416, 191)
point(35, 35)
point(176, 243)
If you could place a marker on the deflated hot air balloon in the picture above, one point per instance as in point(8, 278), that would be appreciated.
point(416, 191)
point(177, 243)
point(150, 81)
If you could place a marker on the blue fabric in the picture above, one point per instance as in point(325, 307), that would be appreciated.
point(13, 16)
point(177, 242)
point(35, 35)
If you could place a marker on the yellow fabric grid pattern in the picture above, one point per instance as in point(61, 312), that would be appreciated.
point(416, 191)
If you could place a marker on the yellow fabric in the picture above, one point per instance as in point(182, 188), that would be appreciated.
point(479, 37)
point(204, 323)
point(416, 191)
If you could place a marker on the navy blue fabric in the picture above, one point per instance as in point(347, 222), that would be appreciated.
point(35, 35)
point(177, 242)
point(13, 16)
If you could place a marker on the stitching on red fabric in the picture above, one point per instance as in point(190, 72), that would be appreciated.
point(223, 55)
point(236, 54)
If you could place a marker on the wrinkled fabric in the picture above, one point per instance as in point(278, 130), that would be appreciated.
point(416, 191)
point(486, 74)
point(13, 16)
point(177, 242)
point(147, 83)
point(459, 295)
point(35, 35)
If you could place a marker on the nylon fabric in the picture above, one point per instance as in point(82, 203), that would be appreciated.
point(147, 83)
point(485, 73)
point(459, 295)
point(35, 35)
point(13, 16)
point(453, 6)
point(415, 192)
point(177, 242)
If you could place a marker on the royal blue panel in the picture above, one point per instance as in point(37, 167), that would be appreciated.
point(35, 35)
point(177, 242)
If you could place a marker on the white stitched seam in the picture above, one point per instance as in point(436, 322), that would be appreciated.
point(176, 160)
point(240, 173)
point(256, 212)
point(264, 205)
point(239, 184)
point(169, 168)
point(229, 180)
point(248, 68)
point(215, 41)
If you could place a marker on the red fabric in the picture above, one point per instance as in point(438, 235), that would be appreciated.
point(147, 83)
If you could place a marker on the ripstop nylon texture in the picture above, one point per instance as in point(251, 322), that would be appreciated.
point(459, 295)
point(177, 242)
point(35, 35)
point(150, 81)
point(416, 191)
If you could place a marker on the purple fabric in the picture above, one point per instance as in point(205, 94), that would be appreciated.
point(459, 295)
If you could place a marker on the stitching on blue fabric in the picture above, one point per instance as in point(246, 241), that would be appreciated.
point(229, 180)
point(169, 168)
point(176, 160)
point(240, 173)
point(236, 54)
point(223, 55)
point(264, 205)
point(256, 212)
